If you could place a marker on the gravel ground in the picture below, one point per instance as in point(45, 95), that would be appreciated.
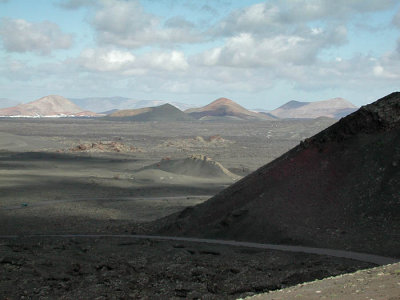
point(376, 283)
point(118, 268)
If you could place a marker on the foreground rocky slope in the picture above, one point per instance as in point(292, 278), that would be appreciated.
point(338, 189)
point(376, 283)
point(121, 268)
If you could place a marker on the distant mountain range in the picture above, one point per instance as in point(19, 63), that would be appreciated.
point(106, 104)
point(221, 109)
point(332, 108)
point(49, 106)
point(224, 108)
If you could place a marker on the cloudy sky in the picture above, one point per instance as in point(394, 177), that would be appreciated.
point(259, 54)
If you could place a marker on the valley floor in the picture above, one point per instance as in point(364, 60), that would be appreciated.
point(51, 181)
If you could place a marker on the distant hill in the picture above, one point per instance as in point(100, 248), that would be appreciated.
point(332, 108)
point(269, 115)
point(49, 106)
point(195, 171)
point(165, 112)
point(104, 104)
point(338, 189)
point(225, 108)
point(195, 165)
point(108, 112)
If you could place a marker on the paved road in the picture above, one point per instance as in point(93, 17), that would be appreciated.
point(376, 259)
point(48, 202)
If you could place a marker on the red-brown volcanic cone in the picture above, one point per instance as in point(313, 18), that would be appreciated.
point(223, 107)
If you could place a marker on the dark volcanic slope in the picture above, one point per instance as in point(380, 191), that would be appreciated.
point(165, 112)
point(338, 189)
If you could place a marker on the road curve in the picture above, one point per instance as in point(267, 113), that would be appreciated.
point(371, 258)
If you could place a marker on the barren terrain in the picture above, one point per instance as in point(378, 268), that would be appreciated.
point(50, 187)
point(375, 283)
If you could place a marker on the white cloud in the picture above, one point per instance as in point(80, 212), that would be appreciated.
point(246, 50)
point(291, 43)
point(107, 71)
point(310, 10)
point(258, 18)
point(378, 70)
point(125, 63)
point(103, 60)
point(347, 74)
point(276, 17)
point(388, 66)
point(126, 24)
point(22, 36)
point(15, 69)
point(168, 61)
point(179, 22)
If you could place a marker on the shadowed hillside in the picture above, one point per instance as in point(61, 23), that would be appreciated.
point(165, 112)
point(338, 189)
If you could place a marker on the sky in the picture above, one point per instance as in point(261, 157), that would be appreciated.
point(260, 54)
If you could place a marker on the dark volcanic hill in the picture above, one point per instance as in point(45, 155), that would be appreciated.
point(332, 108)
point(51, 105)
point(338, 189)
point(165, 112)
point(225, 108)
point(195, 165)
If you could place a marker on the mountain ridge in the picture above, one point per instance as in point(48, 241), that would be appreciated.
point(332, 108)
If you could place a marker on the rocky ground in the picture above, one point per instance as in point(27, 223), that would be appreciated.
point(43, 191)
point(103, 146)
point(376, 283)
point(118, 268)
point(237, 145)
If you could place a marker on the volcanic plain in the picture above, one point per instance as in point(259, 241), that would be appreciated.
point(94, 176)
